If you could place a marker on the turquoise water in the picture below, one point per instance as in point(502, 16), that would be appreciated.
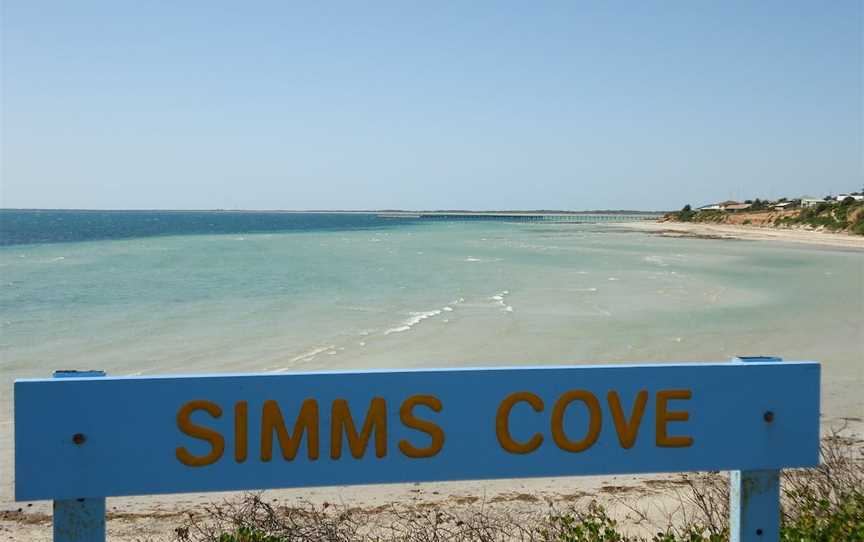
point(425, 294)
point(18, 227)
point(417, 294)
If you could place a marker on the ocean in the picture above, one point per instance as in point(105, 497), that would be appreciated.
point(140, 293)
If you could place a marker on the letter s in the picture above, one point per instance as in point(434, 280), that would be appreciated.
point(216, 441)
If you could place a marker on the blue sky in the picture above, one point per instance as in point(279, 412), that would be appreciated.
point(482, 105)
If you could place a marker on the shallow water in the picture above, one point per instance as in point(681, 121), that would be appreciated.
point(424, 294)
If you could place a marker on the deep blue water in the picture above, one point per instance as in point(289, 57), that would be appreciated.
point(19, 227)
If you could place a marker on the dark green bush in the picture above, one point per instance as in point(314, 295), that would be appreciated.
point(842, 216)
point(822, 521)
point(594, 525)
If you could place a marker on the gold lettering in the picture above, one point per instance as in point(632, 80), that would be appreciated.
point(502, 423)
point(217, 443)
point(594, 423)
point(664, 415)
point(406, 414)
point(376, 420)
point(241, 431)
point(627, 432)
point(307, 420)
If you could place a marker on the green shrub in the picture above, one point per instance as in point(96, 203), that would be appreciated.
point(832, 216)
point(592, 526)
point(821, 521)
point(686, 214)
point(822, 504)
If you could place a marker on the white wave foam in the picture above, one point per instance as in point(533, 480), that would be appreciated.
point(657, 260)
point(306, 356)
point(499, 300)
point(604, 312)
point(416, 318)
point(470, 259)
point(447, 309)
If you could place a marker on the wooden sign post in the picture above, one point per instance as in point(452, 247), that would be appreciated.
point(79, 440)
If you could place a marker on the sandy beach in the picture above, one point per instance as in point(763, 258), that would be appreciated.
point(747, 233)
point(155, 517)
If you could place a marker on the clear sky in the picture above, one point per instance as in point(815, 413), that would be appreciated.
point(483, 105)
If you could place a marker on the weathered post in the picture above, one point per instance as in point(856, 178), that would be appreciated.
point(754, 507)
point(79, 520)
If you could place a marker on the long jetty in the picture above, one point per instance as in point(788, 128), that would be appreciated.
point(466, 216)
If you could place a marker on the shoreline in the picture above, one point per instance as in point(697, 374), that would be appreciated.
point(155, 517)
point(702, 230)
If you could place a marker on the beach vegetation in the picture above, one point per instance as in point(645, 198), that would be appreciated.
point(822, 504)
point(686, 214)
point(846, 215)
point(759, 205)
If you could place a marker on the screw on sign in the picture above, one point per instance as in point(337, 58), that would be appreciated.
point(753, 417)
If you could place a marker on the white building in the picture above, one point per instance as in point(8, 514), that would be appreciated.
point(809, 201)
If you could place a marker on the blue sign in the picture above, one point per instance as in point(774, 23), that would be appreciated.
point(94, 437)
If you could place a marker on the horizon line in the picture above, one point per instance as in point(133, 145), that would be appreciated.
point(358, 211)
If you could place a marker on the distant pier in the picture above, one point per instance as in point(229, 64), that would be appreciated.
point(466, 216)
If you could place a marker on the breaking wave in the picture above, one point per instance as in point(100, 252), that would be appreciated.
point(416, 318)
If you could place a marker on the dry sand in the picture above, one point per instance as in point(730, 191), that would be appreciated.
point(747, 233)
point(156, 517)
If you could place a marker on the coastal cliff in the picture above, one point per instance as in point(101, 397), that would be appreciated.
point(830, 216)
